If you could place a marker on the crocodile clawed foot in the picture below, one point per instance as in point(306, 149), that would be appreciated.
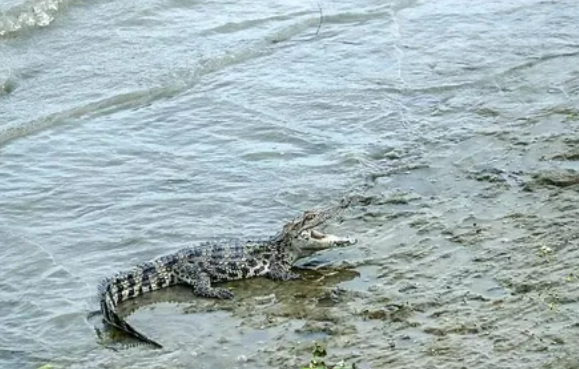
point(291, 276)
point(223, 294)
point(214, 293)
point(278, 274)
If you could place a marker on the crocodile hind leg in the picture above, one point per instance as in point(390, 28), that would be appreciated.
point(200, 282)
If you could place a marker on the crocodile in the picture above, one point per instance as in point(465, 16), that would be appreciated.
point(208, 263)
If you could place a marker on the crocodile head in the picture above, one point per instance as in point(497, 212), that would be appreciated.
point(312, 218)
point(308, 221)
point(305, 240)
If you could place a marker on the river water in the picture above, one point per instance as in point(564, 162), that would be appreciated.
point(129, 129)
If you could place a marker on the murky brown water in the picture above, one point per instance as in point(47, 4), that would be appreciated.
point(130, 129)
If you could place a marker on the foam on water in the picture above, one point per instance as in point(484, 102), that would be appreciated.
point(31, 15)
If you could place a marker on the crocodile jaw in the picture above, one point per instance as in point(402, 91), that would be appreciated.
point(311, 240)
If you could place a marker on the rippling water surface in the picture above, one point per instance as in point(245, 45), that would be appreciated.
point(129, 129)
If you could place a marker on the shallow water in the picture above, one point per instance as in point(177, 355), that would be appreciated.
point(130, 129)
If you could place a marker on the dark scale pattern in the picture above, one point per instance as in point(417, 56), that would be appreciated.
point(252, 262)
point(210, 262)
point(220, 270)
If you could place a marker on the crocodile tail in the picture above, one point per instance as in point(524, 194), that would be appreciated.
point(109, 311)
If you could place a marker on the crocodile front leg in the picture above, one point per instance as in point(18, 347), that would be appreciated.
point(200, 282)
point(280, 272)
